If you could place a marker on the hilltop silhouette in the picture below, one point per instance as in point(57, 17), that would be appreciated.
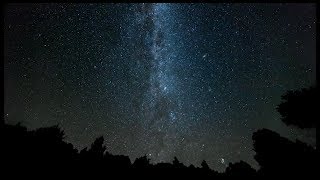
point(44, 150)
point(278, 156)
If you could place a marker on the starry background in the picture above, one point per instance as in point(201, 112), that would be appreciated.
point(187, 80)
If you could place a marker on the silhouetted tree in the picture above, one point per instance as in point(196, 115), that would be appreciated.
point(44, 148)
point(241, 168)
point(97, 147)
point(176, 163)
point(53, 133)
point(142, 162)
point(204, 165)
point(299, 108)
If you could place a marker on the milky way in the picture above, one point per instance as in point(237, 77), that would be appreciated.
point(187, 80)
point(158, 106)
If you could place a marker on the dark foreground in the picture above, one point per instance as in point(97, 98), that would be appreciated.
point(44, 151)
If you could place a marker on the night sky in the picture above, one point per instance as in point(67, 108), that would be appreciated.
point(187, 80)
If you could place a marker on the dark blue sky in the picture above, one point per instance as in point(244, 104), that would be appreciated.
point(187, 80)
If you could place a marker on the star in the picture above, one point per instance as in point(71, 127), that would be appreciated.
point(222, 161)
point(154, 80)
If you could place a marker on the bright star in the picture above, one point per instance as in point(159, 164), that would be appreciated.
point(222, 160)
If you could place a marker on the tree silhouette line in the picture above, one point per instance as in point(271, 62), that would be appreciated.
point(44, 150)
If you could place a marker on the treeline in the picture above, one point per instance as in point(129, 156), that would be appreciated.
point(44, 151)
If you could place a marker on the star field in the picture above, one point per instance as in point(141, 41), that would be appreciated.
point(187, 80)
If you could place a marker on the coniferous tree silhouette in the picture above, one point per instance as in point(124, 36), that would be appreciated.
point(177, 164)
point(97, 148)
point(204, 165)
